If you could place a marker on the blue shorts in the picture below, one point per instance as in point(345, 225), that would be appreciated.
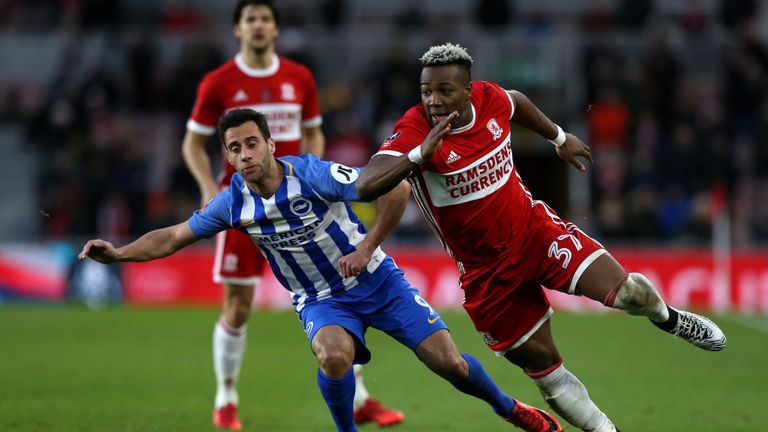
point(393, 306)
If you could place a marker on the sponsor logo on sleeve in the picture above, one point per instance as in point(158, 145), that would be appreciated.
point(344, 174)
point(391, 138)
point(205, 206)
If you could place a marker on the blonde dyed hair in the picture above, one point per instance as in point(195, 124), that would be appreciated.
point(446, 54)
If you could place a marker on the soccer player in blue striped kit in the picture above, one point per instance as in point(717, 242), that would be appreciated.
point(296, 209)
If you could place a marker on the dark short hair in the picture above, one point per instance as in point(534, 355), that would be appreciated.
point(240, 116)
point(243, 3)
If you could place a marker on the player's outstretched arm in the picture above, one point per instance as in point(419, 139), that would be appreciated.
point(152, 245)
point(530, 117)
point(389, 210)
point(384, 172)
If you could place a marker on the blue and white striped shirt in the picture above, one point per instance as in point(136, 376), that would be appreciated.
point(303, 229)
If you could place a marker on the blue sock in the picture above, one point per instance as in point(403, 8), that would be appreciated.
point(339, 396)
point(481, 386)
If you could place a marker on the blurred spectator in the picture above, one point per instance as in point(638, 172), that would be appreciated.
point(744, 80)
point(633, 14)
point(411, 18)
point(759, 219)
point(670, 111)
point(693, 20)
point(641, 222)
point(346, 142)
point(611, 218)
point(597, 17)
point(608, 120)
point(334, 13)
point(493, 14)
point(178, 16)
point(141, 60)
point(734, 13)
point(663, 77)
point(180, 83)
point(101, 15)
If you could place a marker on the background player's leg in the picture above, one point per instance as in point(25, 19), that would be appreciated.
point(335, 351)
point(229, 341)
point(361, 393)
point(368, 409)
point(606, 281)
point(540, 360)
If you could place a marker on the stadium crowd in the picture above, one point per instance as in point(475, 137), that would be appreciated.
point(673, 102)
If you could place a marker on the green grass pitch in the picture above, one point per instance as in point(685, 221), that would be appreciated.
point(66, 368)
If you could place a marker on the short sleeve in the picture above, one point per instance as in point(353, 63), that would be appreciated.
point(213, 217)
point(332, 181)
point(405, 136)
point(505, 95)
point(206, 110)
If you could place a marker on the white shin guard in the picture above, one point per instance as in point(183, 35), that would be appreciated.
point(568, 397)
point(637, 296)
point(228, 349)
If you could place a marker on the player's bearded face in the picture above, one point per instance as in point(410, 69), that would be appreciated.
point(249, 152)
point(445, 89)
point(257, 28)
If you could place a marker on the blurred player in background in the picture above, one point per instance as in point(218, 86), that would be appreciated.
point(285, 92)
point(296, 209)
point(455, 150)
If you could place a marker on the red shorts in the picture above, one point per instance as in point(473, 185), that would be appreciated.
point(505, 299)
point(237, 260)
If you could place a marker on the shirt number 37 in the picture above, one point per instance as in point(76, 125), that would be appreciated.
point(560, 250)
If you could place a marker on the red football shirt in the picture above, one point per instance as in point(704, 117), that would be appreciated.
point(285, 93)
point(469, 191)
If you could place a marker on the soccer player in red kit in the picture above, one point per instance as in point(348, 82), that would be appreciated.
point(455, 150)
point(285, 92)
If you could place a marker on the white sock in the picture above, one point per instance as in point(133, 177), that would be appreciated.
point(638, 296)
point(228, 349)
point(568, 397)
point(361, 393)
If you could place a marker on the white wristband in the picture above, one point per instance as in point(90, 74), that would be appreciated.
point(415, 155)
point(560, 138)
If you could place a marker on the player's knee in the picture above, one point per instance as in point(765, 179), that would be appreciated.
point(534, 357)
point(237, 313)
point(237, 307)
point(335, 362)
point(637, 295)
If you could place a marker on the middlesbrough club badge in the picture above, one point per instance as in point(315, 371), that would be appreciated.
point(495, 129)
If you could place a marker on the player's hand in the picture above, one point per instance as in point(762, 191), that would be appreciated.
point(354, 263)
point(434, 140)
point(573, 147)
point(99, 250)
